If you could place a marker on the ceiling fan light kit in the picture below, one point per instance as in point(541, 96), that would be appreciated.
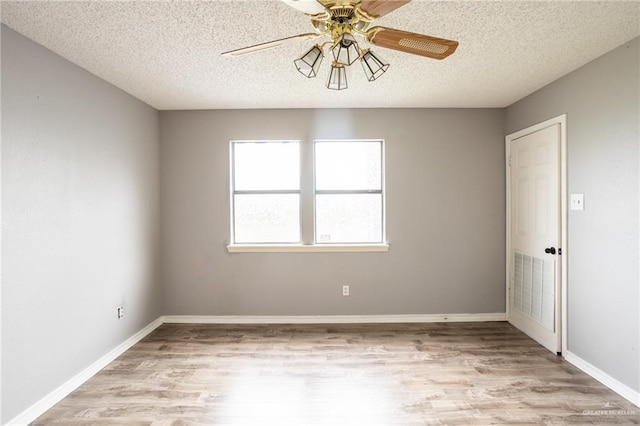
point(341, 20)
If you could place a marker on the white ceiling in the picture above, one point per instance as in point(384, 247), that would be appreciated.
point(167, 53)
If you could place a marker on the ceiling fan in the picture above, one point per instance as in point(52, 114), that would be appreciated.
point(341, 21)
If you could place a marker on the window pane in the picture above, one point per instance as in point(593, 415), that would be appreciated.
point(266, 165)
point(348, 218)
point(348, 165)
point(267, 218)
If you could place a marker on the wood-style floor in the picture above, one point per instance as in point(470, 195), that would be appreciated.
point(374, 374)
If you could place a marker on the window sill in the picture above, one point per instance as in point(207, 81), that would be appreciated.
point(306, 248)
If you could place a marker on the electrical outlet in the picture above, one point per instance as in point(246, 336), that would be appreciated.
point(345, 290)
point(577, 202)
point(120, 312)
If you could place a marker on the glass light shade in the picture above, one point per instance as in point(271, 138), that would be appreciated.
point(345, 51)
point(373, 65)
point(337, 77)
point(309, 63)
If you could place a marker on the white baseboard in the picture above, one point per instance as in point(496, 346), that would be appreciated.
point(330, 319)
point(37, 409)
point(620, 388)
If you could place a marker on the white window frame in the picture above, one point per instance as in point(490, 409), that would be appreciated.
point(235, 191)
point(307, 207)
point(380, 191)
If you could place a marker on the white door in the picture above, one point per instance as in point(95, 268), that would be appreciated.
point(534, 234)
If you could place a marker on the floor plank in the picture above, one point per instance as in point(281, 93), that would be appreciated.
point(354, 374)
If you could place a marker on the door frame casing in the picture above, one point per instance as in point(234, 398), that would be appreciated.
point(562, 121)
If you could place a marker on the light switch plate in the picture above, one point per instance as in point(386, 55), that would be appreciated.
point(577, 201)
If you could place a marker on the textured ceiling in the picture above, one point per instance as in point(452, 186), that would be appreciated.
point(167, 53)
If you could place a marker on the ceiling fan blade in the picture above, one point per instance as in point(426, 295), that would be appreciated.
point(378, 8)
point(310, 7)
point(268, 44)
point(417, 44)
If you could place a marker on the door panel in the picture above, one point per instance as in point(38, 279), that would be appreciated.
point(534, 215)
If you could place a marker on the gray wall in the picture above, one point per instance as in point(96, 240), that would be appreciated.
point(445, 217)
point(602, 101)
point(80, 220)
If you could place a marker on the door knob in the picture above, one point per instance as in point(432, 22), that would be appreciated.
point(550, 250)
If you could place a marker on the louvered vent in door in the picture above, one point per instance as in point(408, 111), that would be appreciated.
point(533, 283)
